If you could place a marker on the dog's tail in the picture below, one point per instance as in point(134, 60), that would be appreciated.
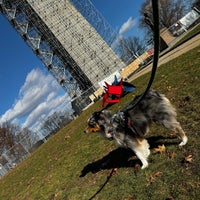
point(167, 106)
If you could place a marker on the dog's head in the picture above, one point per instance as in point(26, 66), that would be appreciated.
point(93, 123)
point(100, 121)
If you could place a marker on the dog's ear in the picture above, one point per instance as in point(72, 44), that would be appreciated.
point(96, 115)
point(107, 113)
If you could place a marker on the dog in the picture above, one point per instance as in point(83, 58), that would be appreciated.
point(128, 128)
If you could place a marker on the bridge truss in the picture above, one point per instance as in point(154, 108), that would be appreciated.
point(72, 40)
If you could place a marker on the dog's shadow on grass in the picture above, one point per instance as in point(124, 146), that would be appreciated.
point(124, 158)
point(117, 158)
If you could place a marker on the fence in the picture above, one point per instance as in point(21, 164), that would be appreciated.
point(25, 147)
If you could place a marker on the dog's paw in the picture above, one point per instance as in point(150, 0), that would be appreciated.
point(144, 166)
point(184, 141)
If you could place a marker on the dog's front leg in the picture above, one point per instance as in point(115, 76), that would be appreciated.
point(141, 149)
point(142, 159)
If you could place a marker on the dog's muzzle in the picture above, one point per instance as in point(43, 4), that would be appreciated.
point(94, 129)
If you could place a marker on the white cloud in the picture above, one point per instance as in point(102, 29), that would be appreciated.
point(126, 26)
point(129, 24)
point(46, 108)
point(39, 96)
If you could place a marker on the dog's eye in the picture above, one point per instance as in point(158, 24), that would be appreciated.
point(102, 127)
point(92, 124)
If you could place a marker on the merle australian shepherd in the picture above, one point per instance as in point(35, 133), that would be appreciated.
point(129, 128)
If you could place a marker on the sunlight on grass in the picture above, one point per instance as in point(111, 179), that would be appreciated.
point(72, 165)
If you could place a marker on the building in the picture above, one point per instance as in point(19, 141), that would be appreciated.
point(66, 42)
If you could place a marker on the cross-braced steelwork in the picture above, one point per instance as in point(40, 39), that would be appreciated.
point(71, 38)
point(95, 18)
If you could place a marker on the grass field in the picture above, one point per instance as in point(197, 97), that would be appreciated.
point(75, 166)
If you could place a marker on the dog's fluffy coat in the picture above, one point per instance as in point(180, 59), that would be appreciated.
point(129, 128)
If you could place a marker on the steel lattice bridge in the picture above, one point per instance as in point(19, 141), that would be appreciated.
point(72, 40)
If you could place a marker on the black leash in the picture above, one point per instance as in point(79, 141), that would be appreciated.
point(155, 6)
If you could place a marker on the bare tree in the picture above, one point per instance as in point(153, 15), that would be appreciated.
point(170, 12)
point(55, 122)
point(12, 134)
point(129, 48)
point(7, 136)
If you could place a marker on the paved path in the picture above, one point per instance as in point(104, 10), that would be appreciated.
point(192, 43)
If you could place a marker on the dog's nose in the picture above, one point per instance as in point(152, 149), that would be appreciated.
point(85, 131)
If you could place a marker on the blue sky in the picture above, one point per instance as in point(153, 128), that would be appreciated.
point(27, 91)
point(117, 12)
